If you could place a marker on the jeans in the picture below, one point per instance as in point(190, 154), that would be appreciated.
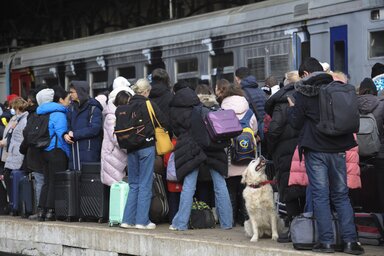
point(222, 201)
point(327, 174)
point(140, 179)
point(39, 181)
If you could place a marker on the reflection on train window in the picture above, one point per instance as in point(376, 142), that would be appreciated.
point(279, 65)
point(188, 65)
point(127, 72)
point(257, 67)
point(339, 55)
point(377, 44)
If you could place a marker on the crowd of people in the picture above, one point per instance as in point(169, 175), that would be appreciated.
point(282, 116)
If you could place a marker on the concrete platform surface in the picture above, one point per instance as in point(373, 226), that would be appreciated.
point(92, 239)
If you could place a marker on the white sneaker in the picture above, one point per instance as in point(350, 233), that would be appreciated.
point(172, 228)
point(150, 225)
point(126, 225)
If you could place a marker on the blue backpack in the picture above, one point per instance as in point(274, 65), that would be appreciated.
point(243, 147)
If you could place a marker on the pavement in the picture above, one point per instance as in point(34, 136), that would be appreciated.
point(28, 237)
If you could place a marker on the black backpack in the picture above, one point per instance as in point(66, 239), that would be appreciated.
point(339, 113)
point(36, 132)
point(129, 128)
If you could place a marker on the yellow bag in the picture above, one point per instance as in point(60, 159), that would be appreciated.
point(163, 142)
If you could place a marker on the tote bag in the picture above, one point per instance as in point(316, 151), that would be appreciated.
point(163, 142)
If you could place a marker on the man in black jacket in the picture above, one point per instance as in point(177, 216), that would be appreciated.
point(324, 161)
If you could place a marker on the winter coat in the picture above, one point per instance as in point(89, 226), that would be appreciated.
point(257, 96)
point(58, 125)
point(282, 140)
point(305, 115)
point(15, 159)
point(162, 96)
point(85, 121)
point(11, 123)
point(240, 105)
point(113, 159)
point(298, 174)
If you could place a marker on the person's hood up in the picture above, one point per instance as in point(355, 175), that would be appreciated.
point(82, 90)
point(158, 89)
point(110, 108)
point(379, 82)
point(279, 97)
point(102, 99)
point(50, 107)
point(120, 82)
point(44, 96)
point(237, 103)
point(185, 97)
point(113, 94)
point(208, 100)
point(249, 82)
point(310, 85)
point(367, 103)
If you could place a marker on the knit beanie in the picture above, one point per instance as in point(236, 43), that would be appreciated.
point(12, 97)
point(45, 96)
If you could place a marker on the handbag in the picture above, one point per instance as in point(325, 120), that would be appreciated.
point(223, 125)
point(163, 142)
point(201, 216)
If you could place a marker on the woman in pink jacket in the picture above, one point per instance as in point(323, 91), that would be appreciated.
point(113, 159)
point(298, 175)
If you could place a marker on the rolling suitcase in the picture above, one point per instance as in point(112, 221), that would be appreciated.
point(26, 196)
point(118, 199)
point(66, 195)
point(15, 177)
point(94, 195)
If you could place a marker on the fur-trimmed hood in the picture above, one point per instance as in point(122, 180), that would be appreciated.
point(208, 100)
point(310, 85)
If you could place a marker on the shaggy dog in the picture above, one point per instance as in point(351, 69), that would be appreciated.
point(258, 196)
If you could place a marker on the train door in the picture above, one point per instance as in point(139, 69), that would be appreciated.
point(339, 48)
point(21, 82)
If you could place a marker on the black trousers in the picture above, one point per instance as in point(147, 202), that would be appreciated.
point(235, 189)
point(54, 161)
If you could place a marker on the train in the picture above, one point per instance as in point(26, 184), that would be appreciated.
point(270, 38)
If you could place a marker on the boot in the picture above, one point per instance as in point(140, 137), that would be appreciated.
point(41, 214)
point(50, 216)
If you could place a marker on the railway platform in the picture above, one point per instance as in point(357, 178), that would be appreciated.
point(27, 237)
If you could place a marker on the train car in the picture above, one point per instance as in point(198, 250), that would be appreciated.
point(270, 38)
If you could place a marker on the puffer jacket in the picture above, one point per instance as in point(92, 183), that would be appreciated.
point(298, 174)
point(113, 159)
point(15, 159)
point(162, 96)
point(257, 96)
point(240, 105)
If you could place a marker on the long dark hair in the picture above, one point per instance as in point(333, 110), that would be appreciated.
point(226, 89)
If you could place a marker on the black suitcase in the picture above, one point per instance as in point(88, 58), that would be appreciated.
point(94, 195)
point(66, 195)
point(26, 196)
point(4, 210)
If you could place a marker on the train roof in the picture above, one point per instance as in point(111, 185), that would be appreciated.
point(256, 16)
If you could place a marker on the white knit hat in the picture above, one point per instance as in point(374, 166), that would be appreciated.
point(45, 96)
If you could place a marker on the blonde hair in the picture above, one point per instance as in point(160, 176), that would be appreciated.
point(142, 85)
point(291, 77)
point(20, 104)
point(340, 76)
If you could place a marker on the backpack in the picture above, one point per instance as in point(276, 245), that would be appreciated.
point(159, 208)
point(222, 125)
point(368, 135)
point(370, 228)
point(338, 108)
point(243, 147)
point(198, 129)
point(129, 128)
point(36, 132)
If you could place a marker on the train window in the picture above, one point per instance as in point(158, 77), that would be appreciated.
point(279, 65)
point(222, 60)
point(99, 82)
point(257, 67)
point(1, 65)
point(339, 55)
point(188, 65)
point(127, 72)
point(50, 82)
point(377, 44)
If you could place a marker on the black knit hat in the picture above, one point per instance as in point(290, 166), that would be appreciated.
point(368, 85)
point(377, 69)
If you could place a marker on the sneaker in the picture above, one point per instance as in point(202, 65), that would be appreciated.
point(353, 248)
point(126, 225)
point(150, 225)
point(172, 228)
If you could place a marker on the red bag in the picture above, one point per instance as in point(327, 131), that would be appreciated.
point(174, 186)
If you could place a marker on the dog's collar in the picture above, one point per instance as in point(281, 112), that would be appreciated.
point(259, 185)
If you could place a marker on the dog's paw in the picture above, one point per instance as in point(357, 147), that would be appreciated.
point(254, 238)
point(274, 237)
